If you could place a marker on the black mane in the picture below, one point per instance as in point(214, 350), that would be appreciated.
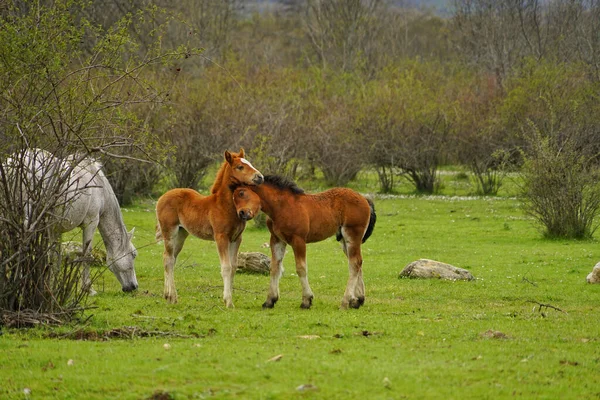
point(283, 183)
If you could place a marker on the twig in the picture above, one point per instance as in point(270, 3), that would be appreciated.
point(149, 317)
point(540, 305)
point(528, 281)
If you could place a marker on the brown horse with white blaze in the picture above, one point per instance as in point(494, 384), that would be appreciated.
point(297, 218)
point(180, 212)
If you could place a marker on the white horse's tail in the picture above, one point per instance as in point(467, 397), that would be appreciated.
point(158, 236)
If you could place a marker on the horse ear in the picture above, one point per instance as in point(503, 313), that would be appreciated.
point(241, 152)
point(130, 234)
point(228, 157)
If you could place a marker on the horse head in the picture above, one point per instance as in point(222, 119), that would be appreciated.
point(241, 170)
point(247, 203)
point(120, 263)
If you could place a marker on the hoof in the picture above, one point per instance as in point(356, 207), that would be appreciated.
point(355, 303)
point(306, 303)
point(270, 303)
point(171, 299)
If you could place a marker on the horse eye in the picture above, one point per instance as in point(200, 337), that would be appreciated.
point(241, 167)
point(241, 193)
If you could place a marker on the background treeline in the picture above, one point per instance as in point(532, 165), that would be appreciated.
point(335, 86)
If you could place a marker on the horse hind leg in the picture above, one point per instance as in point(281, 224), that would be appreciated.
point(173, 245)
point(354, 296)
point(359, 288)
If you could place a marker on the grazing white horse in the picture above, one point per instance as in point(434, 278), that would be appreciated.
point(89, 203)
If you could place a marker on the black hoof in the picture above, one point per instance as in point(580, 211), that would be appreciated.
point(355, 303)
point(267, 305)
point(306, 303)
point(270, 303)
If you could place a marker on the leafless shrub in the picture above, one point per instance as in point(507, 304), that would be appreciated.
point(422, 152)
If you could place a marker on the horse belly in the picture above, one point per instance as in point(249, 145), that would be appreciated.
point(322, 228)
point(202, 231)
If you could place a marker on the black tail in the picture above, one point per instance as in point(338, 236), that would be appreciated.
point(372, 221)
point(370, 228)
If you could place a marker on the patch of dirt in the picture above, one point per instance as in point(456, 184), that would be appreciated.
point(160, 395)
point(492, 334)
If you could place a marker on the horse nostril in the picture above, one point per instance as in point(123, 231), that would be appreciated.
point(258, 179)
point(242, 214)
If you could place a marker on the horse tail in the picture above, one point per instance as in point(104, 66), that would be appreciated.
point(372, 221)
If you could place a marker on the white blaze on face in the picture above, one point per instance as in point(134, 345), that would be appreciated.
point(243, 160)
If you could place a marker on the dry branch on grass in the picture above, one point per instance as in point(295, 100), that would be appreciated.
point(541, 306)
point(125, 332)
point(30, 318)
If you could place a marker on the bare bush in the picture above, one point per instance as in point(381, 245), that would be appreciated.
point(34, 279)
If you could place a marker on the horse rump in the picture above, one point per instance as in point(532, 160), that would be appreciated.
point(370, 227)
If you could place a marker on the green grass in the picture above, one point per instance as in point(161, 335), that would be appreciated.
point(412, 339)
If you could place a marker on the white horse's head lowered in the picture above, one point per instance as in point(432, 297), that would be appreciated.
point(120, 262)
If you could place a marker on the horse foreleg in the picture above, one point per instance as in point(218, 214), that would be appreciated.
point(88, 235)
point(354, 295)
point(299, 247)
point(224, 248)
point(173, 245)
point(277, 253)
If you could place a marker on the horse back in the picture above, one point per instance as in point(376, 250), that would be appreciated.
point(87, 191)
point(328, 211)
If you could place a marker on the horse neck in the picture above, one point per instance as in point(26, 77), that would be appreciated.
point(111, 225)
point(222, 179)
point(270, 196)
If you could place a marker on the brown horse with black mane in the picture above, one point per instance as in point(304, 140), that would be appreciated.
point(297, 218)
point(214, 217)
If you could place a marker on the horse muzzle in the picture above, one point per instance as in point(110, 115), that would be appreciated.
point(245, 215)
point(258, 179)
point(130, 288)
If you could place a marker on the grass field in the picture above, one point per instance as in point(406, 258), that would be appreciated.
point(413, 339)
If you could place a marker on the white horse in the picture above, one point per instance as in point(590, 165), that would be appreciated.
point(89, 203)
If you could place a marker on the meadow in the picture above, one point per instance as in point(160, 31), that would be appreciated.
point(526, 327)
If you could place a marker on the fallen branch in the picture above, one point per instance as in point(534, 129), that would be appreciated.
point(528, 281)
point(542, 305)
